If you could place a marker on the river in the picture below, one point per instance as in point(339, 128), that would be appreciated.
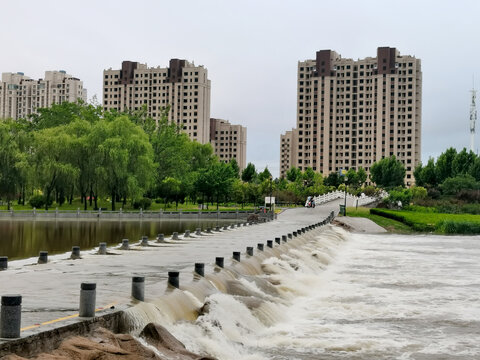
point(329, 294)
point(344, 296)
point(24, 238)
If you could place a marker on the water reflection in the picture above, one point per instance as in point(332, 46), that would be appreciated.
point(21, 239)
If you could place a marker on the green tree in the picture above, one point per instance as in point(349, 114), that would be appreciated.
point(333, 179)
point(463, 162)
point(293, 174)
point(126, 164)
point(444, 165)
point(388, 172)
point(308, 177)
point(249, 174)
point(11, 163)
point(171, 189)
point(234, 165)
point(264, 175)
point(475, 169)
point(51, 155)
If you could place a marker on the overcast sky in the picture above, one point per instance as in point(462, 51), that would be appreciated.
point(251, 50)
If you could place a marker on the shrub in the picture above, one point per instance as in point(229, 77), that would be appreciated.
point(396, 196)
point(459, 227)
point(143, 203)
point(418, 193)
point(158, 201)
point(454, 185)
point(37, 201)
point(469, 195)
point(433, 193)
point(369, 190)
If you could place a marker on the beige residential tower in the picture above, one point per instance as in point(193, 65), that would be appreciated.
point(182, 86)
point(21, 96)
point(229, 141)
point(352, 113)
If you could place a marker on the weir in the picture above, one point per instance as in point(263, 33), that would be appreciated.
point(153, 263)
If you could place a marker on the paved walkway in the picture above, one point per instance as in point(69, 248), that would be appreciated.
point(51, 291)
point(360, 225)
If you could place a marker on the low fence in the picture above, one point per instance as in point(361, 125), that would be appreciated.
point(352, 199)
point(115, 215)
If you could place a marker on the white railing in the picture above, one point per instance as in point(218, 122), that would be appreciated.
point(352, 200)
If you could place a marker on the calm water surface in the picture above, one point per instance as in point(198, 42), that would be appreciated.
point(21, 239)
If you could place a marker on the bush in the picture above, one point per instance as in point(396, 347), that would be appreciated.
point(459, 227)
point(37, 201)
point(454, 185)
point(469, 195)
point(418, 193)
point(369, 190)
point(158, 201)
point(433, 193)
point(396, 196)
point(143, 203)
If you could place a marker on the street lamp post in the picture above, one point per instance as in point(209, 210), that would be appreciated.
point(271, 196)
point(345, 201)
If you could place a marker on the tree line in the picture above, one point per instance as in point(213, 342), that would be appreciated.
point(79, 151)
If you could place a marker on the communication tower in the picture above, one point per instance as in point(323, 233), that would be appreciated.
point(473, 120)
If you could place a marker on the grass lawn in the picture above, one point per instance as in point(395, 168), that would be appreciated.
point(155, 207)
point(434, 222)
point(390, 225)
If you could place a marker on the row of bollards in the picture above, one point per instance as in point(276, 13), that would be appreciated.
point(102, 249)
point(10, 312)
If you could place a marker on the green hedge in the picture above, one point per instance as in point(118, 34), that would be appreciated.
point(434, 222)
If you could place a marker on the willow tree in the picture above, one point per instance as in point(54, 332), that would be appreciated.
point(125, 156)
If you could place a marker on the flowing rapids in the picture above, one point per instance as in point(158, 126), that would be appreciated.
point(332, 295)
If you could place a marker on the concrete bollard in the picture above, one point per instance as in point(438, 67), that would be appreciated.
point(209, 230)
point(236, 256)
point(10, 316)
point(277, 240)
point(260, 247)
point(232, 226)
point(198, 232)
point(174, 279)
point(75, 252)
point(270, 243)
point(175, 236)
point(284, 238)
point(102, 248)
point(88, 294)
point(144, 241)
point(294, 234)
point(138, 288)
point(125, 245)
point(290, 235)
point(217, 228)
point(160, 238)
point(225, 227)
point(250, 250)
point(200, 269)
point(187, 234)
point(3, 262)
point(42, 257)
point(219, 261)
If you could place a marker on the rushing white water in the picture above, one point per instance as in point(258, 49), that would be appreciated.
point(335, 295)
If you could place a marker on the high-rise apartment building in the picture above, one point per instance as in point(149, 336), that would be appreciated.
point(229, 141)
point(352, 113)
point(288, 150)
point(21, 96)
point(182, 86)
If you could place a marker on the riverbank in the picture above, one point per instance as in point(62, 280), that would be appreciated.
point(408, 222)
